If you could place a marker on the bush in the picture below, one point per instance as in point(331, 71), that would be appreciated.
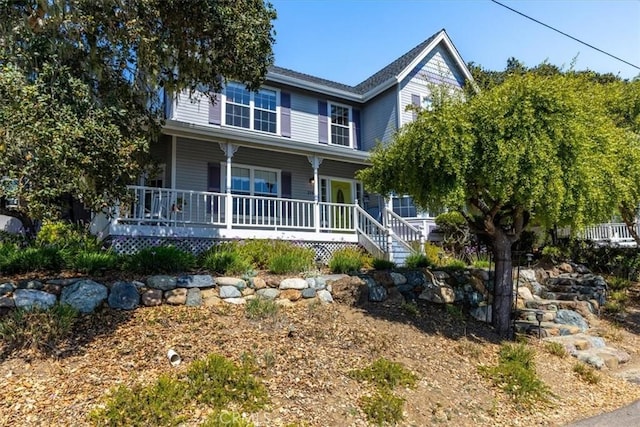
point(295, 259)
point(226, 258)
point(383, 408)
point(31, 259)
point(346, 260)
point(382, 264)
point(385, 374)
point(455, 230)
point(92, 262)
point(434, 253)
point(160, 259)
point(261, 308)
point(261, 252)
point(418, 261)
point(552, 253)
point(66, 236)
point(37, 329)
point(586, 373)
point(619, 283)
point(556, 349)
point(454, 264)
point(515, 374)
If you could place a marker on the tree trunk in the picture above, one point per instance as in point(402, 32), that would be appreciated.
point(503, 286)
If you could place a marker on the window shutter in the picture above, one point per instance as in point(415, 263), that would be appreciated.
point(215, 110)
point(357, 143)
point(286, 184)
point(285, 114)
point(323, 123)
point(213, 178)
point(415, 101)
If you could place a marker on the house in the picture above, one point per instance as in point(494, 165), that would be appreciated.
point(281, 162)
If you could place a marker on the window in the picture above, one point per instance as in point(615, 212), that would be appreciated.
point(427, 103)
point(340, 125)
point(404, 207)
point(254, 181)
point(251, 110)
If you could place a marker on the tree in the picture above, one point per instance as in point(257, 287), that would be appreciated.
point(82, 84)
point(535, 146)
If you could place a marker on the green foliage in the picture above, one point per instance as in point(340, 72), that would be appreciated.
point(383, 407)
point(48, 258)
point(417, 260)
point(226, 258)
point(37, 329)
point(261, 308)
point(217, 381)
point(160, 259)
point(552, 253)
point(383, 264)
point(556, 349)
point(385, 374)
point(434, 253)
point(226, 419)
point(95, 92)
point(453, 264)
point(155, 404)
point(295, 260)
point(261, 252)
point(65, 236)
point(411, 309)
point(455, 231)
point(94, 262)
point(586, 373)
point(346, 260)
point(455, 312)
point(516, 375)
point(620, 262)
point(619, 284)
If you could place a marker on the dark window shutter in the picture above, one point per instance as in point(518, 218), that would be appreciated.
point(213, 184)
point(285, 114)
point(286, 184)
point(357, 143)
point(415, 101)
point(215, 110)
point(323, 123)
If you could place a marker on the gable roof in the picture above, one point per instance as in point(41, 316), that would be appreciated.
point(376, 83)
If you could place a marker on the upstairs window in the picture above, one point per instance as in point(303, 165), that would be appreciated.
point(251, 110)
point(340, 122)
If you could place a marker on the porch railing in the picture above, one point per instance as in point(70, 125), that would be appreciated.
point(406, 234)
point(371, 234)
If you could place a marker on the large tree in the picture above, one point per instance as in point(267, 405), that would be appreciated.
point(534, 146)
point(82, 84)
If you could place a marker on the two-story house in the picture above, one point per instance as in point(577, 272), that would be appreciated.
point(281, 162)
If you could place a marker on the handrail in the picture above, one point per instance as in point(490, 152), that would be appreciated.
point(371, 234)
point(404, 232)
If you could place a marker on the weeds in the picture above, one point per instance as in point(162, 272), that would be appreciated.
point(411, 309)
point(555, 348)
point(418, 261)
point(346, 260)
point(161, 259)
point(294, 260)
point(586, 373)
point(261, 308)
point(385, 374)
point(383, 407)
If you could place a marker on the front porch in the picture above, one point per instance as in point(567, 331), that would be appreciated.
point(169, 214)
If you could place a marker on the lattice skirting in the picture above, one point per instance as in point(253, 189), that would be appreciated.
point(130, 245)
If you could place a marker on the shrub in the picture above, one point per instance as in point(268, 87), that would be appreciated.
point(556, 349)
point(161, 259)
point(417, 260)
point(92, 262)
point(385, 374)
point(382, 264)
point(261, 252)
point(225, 258)
point(32, 259)
point(154, 404)
point(552, 253)
point(586, 373)
point(455, 231)
point(434, 253)
point(37, 329)
point(217, 381)
point(619, 283)
point(65, 236)
point(261, 308)
point(295, 259)
point(346, 260)
point(383, 407)
point(454, 264)
point(411, 309)
point(515, 374)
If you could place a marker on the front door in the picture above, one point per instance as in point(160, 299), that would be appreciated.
point(341, 194)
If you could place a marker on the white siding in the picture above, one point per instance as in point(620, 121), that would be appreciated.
point(437, 67)
point(379, 119)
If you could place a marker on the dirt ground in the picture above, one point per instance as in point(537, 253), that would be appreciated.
point(304, 355)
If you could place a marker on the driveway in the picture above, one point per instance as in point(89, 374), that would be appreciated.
point(628, 416)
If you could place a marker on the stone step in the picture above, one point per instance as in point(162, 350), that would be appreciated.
point(583, 307)
point(563, 296)
point(591, 350)
point(530, 314)
point(548, 329)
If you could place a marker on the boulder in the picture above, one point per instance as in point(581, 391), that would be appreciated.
point(325, 296)
point(231, 281)
point(291, 294)
point(85, 295)
point(525, 293)
point(258, 283)
point(481, 313)
point(176, 296)
point(7, 302)
point(64, 282)
point(565, 267)
point(441, 294)
point(383, 278)
point(309, 293)
point(349, 289)
point(268, 293)
point(293, 283)
point(152, 297)
point(163, 283)
point(572, 318)
point(195, 281)
point(124, 296)
point(235, 301)
point(377, 293)
point(316, 283)
point(415, 278)
point(398, 279)
point(194, 297)
point(30, 284)
point(229, 291)
point(6, 288)
point(248, 291)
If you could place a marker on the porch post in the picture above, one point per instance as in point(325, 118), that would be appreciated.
point(388, 207)
point(315, 164)
point(229, 151)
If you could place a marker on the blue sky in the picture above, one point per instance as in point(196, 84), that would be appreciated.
point(348, 40)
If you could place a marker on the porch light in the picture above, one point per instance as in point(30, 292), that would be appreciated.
point(311, 182)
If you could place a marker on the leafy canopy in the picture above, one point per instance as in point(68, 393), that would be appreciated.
point(82, 84)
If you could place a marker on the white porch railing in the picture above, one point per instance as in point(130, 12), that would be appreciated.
point(406, 234)
point(611, 233)
point(371, 234)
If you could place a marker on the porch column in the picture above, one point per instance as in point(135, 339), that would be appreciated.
point(229, 151)
point(315, 164)
point(388, 207)
point(174, 150)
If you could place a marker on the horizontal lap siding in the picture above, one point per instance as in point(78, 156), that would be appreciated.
point(192, 159)
point(437, 67)
point(304, 118)
point(379, 118)
point(194, 110)
point(338, 169)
